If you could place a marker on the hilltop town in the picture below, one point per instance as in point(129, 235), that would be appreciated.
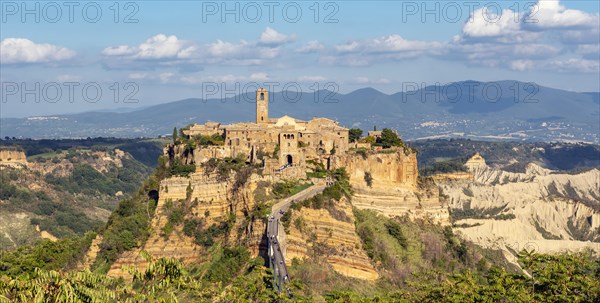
point(223, 173)
point(284, 147)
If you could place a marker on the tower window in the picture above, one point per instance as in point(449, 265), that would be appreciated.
point(262, 96)
point(262, 118)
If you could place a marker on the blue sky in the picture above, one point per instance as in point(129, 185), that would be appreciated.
point(175, 47)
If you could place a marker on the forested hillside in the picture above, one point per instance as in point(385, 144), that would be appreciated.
point(64, 192)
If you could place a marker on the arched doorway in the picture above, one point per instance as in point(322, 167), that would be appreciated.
point(289, 159)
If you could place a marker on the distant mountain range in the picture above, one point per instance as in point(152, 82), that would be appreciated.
point(504, 110)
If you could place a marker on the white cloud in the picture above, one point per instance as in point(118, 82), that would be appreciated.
point(227, 78)
point(137, 76)
point(521, 65)
point(535, 50)
point(311, 46)
point(395, 43)
point(165, 77)
point(551, 14)
point(387, 44)
point(351, 61)
point(581, 36)
point(575, 65)
point(259, 77)
point(531, 41)
point(380, 49)
point(157, 47)
point(121, 50)
point(589, 49)
point(169, 51)
point(366, 80)
point(311, 79)
point(68, 78)
point(271, 37)
point(224, 49)
point(241, 50)
point(348, 47)
point(485, 23)
point(20, 50)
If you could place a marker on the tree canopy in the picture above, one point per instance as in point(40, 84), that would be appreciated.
point(354, 134)
point(389, 138)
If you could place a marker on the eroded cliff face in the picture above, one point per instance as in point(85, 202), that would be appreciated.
point(205, 198)
point(13, 158)
point(539, 209)
point(393, 168)
point(394, 190)
point(329, 236)
point(422, 203)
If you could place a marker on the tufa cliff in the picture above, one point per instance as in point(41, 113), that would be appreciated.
point(393, 189)
point(328, 235)
point(209, 205)
point(13, 158)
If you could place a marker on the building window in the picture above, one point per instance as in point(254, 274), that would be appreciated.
point(262, 96)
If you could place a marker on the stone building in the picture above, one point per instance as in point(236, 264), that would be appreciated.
point(278, 142)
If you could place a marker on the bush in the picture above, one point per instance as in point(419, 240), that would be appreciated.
point(395, 231)
point(368, 179)
point(183, 170)
point(363, 152)
point(227, 263)
point(215, 139)
point(223, 167)
point(45, 255)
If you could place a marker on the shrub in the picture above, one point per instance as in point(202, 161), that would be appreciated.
point(179, 169)
point(368, 179)
point(395, 231)
point(227, 263)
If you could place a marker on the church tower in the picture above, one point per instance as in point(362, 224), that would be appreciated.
point(262, 106)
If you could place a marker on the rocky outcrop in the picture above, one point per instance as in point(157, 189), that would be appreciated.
point(395, 168)
point(317, 234)
point(208, 199)
point(13, 158)
point(393, 190)
point(399, 201)
point(540, 209)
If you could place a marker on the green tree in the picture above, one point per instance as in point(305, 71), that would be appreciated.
point(354, 134)
point(174, 135)
point(389, 138)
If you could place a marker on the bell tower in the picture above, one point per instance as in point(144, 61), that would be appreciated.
point(262, 106)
